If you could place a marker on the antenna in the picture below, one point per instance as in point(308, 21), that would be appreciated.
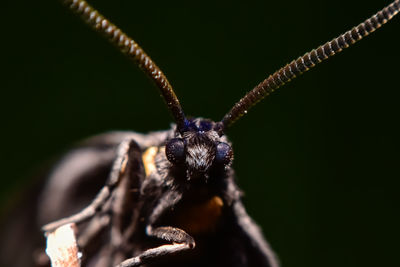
point(129, 47)
point(309, 60)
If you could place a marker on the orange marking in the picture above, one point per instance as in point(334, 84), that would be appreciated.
point(148, 160)
point(124, 163)
point(200, 218)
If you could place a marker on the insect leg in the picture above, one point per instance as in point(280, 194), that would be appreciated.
point(125, 149)
point(120, 206)
point(171, 234)
point(153, 253)
point(93, 229)
point(180, 240)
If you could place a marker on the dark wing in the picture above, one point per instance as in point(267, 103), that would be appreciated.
point(71, 185)
point(245, 245)
point(257, 250)
point(83, 171)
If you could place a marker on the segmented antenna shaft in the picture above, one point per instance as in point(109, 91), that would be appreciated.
point(132, 50)
point(309, 60)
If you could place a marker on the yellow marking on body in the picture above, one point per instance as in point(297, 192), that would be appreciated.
point(201, 218)
point(148, 159)
point(124, 163)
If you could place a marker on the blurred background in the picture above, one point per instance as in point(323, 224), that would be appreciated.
point(318, 160)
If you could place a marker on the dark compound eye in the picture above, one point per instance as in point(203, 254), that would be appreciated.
point(224, 154)
point(175, 150)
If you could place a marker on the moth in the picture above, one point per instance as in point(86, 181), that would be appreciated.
point(160, 187)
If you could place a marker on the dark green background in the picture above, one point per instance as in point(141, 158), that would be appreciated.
point(318, 160)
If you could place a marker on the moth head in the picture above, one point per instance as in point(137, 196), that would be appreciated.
point(200, 148)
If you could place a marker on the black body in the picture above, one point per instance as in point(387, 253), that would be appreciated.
point(166, 197)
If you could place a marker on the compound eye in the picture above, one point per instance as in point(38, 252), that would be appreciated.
point(175, 150)
point(224, 154)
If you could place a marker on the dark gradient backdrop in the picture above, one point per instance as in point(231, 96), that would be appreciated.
point(318, 160)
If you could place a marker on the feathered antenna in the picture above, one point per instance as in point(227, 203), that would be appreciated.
point(133, 51)
point(309, 60)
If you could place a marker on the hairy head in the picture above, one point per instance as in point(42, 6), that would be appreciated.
point(200, 148)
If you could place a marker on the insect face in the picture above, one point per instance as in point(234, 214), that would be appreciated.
point(200, 149)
